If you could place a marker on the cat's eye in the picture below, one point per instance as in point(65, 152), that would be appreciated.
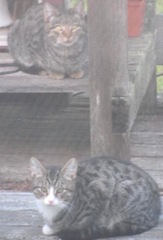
point(43, 189)
point(58, 29)
point(40, 191)
point(75, 28)
point(60, 191)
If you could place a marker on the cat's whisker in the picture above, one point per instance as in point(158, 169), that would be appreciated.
point(67, 204)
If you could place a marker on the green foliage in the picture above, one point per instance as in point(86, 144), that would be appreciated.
point(160, 79)
point(159, 6)
point(73, 2)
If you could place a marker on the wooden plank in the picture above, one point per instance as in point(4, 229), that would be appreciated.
point(19, 201)
point(148, 138)
point(150, 25)
point(159, 43)
point(149, 19)
point(23, 232)
point(22, 82)
point(3, 38)
point(144, 75)
point(141, 54)
point(41, 149)
point(149, 102)
point(146, 123)
point(144, 150)
point(21, 218)
point(153, 165)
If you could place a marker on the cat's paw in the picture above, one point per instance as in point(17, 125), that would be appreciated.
point(46, 230)
point(43, 73)
point(77, 75)
point(57, 76)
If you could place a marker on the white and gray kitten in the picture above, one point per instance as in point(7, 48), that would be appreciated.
point(52, 187)
point(97, 198)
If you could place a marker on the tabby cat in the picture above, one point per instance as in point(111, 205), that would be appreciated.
point(96, 198)
point(51, 41)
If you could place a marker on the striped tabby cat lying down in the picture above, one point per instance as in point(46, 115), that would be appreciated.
point(51, 41)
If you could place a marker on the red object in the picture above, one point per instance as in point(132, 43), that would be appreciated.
point(136, 9)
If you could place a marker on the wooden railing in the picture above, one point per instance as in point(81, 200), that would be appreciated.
point(159, 39)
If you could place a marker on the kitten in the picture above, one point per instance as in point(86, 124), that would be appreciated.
point(51, 41)
point(97, 198)
point(52, 187)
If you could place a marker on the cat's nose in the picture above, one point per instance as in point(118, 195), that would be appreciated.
point(50, 202)
point(67, 33)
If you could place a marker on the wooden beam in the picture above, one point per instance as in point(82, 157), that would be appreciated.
point(107, 27)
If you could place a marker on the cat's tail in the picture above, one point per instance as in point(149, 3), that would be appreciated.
point(14, 68)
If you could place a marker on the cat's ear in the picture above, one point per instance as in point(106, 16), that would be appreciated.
point(69, 171)
point(79, 8)
point(50, 11)
point(37, 169)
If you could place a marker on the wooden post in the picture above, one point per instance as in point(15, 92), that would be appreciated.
point(107, 28)
point(149, 103)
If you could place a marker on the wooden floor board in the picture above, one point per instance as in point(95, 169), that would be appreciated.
point(53, 136)
point(31, 125)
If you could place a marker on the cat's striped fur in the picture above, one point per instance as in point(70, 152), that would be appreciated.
point(110, 198)
point(50, 39)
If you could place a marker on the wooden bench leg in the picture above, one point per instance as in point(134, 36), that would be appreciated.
point(122, 146)
point(149, 102)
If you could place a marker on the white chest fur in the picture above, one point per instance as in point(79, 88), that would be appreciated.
point(49, 212)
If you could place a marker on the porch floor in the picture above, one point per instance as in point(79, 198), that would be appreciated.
point(30, 125)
